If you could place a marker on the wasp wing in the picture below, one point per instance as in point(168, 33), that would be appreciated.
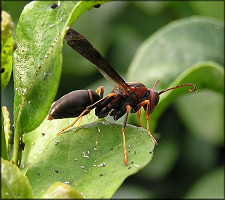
point(80, 44)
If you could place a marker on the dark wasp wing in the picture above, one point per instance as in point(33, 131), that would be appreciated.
point(80, 44)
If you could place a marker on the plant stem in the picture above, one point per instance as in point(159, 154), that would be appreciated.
point(16, 147)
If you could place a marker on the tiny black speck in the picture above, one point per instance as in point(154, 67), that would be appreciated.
point(2, 70)
point(56, 171)
point(22, 145)
point(100, 174)
point(97, 6)
point(54, 5)
point(38, 174)
point(14, 47)
point(129, 167)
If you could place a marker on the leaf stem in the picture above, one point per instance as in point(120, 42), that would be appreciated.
point(16, 147)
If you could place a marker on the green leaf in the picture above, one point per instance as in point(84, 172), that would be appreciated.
point(209, 8)
point(90, 158)
point(4, 146)
point(207, 75)
point(204, 119)
point(62, 190)
point(210, 186)
point(14, 184)
point(38, 58)
point(179, 51)
point(37, 140)
point(176, 47)
point(134, 191)
point(165, 157)
point(6, 48)
point(5, 133)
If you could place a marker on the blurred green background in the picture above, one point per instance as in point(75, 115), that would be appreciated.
point(117, 29)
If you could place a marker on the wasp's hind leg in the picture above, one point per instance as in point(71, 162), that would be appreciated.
point(100, 92)
point(128, 108)
point(78, 118)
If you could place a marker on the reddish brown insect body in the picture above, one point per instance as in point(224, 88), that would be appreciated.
point(125, 98)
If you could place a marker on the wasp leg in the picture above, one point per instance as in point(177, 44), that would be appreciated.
point(79, 117)
point(128, 108)
point(80, 121)
point(150, 132)
point(88, 109)
point(100, 91)
point(147, 102)
point(102, 107)
point(103, 102)
point(139, 116)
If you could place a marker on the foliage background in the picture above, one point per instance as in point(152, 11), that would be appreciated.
point(182, 167)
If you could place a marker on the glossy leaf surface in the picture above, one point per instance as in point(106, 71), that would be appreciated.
point(38, 58)
point(62, 190)
point(179, 53)
point(90, 158)
point(14, 185)
point(6, 48)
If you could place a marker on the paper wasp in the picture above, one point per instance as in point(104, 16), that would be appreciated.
point(125, 98)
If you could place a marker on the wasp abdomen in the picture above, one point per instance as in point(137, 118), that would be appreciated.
point(73, 104)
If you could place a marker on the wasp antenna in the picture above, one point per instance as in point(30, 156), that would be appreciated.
point(186, 84)
point(155, 84)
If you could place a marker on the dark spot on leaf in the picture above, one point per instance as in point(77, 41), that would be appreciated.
point(100, 174)
point(43, 134)
point(56, 171)
point(2, 70)
point(132, 162)
point(134, 152)
point(54, 5)
point(14, 46)
point(38, 174)
point(150, 152)
point(129, 167)
point(21, 144)
point(57, 142)
point(97, 6)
